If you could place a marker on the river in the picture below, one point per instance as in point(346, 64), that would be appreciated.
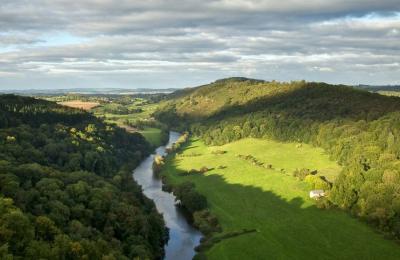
point(183, 238)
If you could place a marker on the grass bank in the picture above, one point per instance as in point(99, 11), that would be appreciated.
point(245, 196)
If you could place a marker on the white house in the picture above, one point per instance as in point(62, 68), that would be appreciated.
point(315, 194)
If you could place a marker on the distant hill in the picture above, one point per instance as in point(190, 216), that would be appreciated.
point(374, 88)
point(358, 128)
point(388, 90)
point(87, 91)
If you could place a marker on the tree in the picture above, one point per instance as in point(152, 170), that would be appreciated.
point(45, 229)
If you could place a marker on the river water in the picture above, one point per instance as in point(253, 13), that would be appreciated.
point(183, 238)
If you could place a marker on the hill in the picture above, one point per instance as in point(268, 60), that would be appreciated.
point(66, 186)
point(87, 91)
point(358, 129)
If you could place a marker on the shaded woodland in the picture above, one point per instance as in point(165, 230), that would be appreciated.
point(66, 186)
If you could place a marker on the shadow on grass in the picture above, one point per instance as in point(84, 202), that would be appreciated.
point(269, 226)
point(191, 147)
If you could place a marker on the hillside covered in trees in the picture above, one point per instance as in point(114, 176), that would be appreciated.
point(357, 128)
point(66, 186)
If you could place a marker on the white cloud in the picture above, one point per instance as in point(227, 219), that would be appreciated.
point(182, 42)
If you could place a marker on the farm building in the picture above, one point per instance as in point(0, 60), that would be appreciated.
point(315, 194)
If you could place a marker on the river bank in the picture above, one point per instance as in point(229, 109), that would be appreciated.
point(183, 238)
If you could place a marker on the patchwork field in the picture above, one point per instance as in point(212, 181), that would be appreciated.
point(121, 119)
point(138, 113)
point(245, 196)
point(80, 104)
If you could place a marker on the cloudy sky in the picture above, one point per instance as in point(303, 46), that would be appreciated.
point(180, 43)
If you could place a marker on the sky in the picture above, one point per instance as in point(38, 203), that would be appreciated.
point(182, 43)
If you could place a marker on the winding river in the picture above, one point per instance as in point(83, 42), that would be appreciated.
point(183, 238)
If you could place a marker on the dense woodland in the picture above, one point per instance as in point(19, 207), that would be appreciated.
point(66, 186)
point(357, 128)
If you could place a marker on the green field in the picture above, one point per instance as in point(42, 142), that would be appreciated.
point(246, 196)
point(148, 109)
point(152, 135)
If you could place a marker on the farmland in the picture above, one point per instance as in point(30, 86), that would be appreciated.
point(134, 113)
point(85, 105)
point(245, 196)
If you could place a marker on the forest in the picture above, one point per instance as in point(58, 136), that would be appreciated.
point(358, 129)
point(66, 186)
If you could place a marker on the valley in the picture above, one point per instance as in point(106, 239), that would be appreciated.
point(288, 223)
point(240, 174)
point(199, 130)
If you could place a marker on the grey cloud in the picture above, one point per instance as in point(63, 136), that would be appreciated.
point(343, 41)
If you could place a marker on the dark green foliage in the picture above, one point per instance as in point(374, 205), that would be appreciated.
point(66, 186)
point(189, 197)
point(206, 222)
point(358, 129)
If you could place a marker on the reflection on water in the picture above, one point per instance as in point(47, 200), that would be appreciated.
point(183, 238)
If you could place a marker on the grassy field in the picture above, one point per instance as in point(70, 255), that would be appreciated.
point(152, 135)
point(148, 109)
point(243, 195)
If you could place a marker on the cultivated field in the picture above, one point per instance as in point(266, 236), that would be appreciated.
point(246, 196)
point(153, 135)
point(80, 104)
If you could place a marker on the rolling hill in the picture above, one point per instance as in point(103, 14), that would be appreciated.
point(358, 129)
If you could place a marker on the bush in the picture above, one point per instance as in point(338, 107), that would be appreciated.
point(204, 169)
point(158, 163)
point(317, 182)
point(324, 203)
point(189, 198)
point(206, 222)
point(303, 173)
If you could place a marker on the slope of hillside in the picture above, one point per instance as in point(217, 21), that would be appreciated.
point(358, 129)
point(66, 189)
point(247, 196)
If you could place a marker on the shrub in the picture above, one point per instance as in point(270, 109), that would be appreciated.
point(158, 164)
point(302, 173)
point(317, 182)
point(324, 203)
point(189, 198)
point(204, 169)
point(206, 222)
